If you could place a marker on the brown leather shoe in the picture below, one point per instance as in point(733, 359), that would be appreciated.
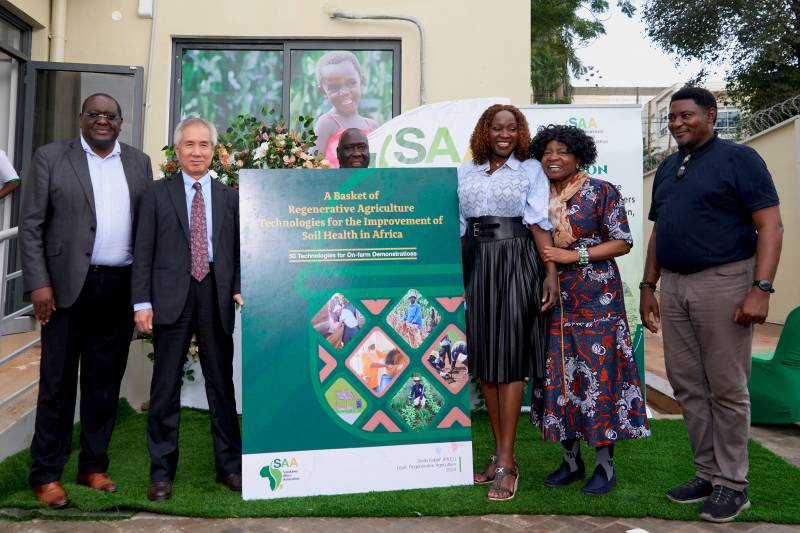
point(159, 491)
point(233, 481)
point(97, 481)
point(52, 494)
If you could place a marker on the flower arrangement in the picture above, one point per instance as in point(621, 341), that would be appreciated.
point(251, 143)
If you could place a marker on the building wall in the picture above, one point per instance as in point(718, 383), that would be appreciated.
point(37, 14)
point(780, 148)
point(452, 54)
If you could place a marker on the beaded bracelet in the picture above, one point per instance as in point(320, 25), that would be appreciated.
point(583, 255)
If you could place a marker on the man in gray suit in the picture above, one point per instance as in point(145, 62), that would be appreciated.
point(185, 282)
point(77, 222)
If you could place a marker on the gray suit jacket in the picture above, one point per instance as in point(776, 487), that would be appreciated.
point(58, 218)
point(162, 260)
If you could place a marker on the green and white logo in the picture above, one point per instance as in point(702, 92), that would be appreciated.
point(274, 471)
point(274, 476)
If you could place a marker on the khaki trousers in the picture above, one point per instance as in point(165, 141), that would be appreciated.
point(708, 360)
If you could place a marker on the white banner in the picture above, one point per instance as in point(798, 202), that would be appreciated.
point(434, 135)
point(617, 132)
point(437, 135)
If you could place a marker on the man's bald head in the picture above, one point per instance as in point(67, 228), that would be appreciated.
point(353, 149)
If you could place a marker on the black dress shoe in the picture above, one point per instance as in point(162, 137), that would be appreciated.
point(233, 481)
point(563, 476)
point(599, 484)
point(159, 491)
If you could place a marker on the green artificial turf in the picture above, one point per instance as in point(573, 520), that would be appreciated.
point(645, 469)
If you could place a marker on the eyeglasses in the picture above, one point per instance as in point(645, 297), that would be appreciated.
point(108, 116)
point(682, 168)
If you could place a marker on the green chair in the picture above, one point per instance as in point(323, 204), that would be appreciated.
point(775, 380)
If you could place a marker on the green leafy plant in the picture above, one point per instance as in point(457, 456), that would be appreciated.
point(192, 356)
point(250, 143)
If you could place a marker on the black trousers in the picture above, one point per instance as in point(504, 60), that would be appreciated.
point(96, 330)
point(200, 317)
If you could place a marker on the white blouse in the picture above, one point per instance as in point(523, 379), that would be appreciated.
point(516, 189)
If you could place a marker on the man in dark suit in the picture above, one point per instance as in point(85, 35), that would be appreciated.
point(185, 282)
point(78, 217)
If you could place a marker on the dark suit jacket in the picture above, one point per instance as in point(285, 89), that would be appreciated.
point(58, 218)
point(162, 261)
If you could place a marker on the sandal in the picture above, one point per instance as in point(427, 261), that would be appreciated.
point(484, 477)
point(497, 486)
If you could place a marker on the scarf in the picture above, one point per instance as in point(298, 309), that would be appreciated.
point(557, 210)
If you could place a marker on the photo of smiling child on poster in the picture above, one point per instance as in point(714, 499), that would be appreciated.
point(350, 89)
point(340, 79)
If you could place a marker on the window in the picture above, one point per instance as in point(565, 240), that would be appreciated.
point(727, 119)
point(221, 79)
point(663, 121)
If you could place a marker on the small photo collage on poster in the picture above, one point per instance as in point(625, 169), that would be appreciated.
point(413, 318)
point(381, 378)
point(338, 321)
point(377, 362)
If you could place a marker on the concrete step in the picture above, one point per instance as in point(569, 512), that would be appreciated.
point(19, 379)
point(17, 419)
point(20, 372)
point(660, 394)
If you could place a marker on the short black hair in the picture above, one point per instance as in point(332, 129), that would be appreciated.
point(104, 95)
point(702, 97)
point(578, 143)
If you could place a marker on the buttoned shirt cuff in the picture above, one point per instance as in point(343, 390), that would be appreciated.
point(142, 306)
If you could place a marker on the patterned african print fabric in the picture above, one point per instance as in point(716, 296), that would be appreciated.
point(591, 387)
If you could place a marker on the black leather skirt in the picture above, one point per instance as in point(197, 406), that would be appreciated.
point(506, 330)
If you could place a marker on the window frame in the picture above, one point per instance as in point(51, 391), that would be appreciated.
point(286, 45)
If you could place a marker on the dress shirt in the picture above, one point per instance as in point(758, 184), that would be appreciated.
point(112, 203)
point(516, 189)
point(188, 187)
point(7, 171)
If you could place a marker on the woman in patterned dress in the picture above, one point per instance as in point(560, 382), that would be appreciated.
point(591, 388)
point(503, 208)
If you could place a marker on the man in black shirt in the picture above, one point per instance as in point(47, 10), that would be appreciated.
point(716, 245)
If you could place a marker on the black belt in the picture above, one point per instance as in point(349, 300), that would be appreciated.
point(108, 268)
point(484, 229)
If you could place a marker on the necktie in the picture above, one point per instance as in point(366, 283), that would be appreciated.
point(199, 235)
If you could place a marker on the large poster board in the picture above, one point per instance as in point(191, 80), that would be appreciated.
point(354, 291)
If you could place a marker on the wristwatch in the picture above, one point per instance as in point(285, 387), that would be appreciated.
point(647, 285)
point(764, 284)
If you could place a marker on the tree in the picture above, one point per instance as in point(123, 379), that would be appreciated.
point(557, 29)
point(760, 39)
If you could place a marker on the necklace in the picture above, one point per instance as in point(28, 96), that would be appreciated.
point(494, 166)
